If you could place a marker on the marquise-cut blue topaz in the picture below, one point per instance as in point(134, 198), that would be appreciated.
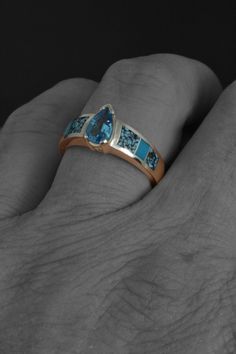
point(100, 126)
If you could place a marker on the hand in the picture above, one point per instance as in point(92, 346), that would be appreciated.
point(94, 261)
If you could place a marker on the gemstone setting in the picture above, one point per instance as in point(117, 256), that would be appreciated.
point(152, 159)
point(100, 127)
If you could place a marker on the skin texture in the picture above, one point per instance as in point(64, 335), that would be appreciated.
point(92, 260)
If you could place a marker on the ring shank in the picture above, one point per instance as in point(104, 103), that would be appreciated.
point(154, 176)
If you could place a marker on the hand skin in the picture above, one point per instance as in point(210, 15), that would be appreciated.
point(94, 261)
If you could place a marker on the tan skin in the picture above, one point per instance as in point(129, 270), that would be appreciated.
point(95, 261)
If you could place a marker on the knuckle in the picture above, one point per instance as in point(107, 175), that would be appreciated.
point(149, 71)
point(19, 114)
point(25, 112)
point(125, 66)
point(33, 118)
point(75, 83)
point(44, 106)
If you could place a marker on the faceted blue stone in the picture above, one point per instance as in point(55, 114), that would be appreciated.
point(100, 126)
point(142, 149)
point(152, 159)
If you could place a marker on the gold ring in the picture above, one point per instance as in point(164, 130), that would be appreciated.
point(105, 133)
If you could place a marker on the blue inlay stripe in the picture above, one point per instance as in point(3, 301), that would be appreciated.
point(128, 139)
point(75, 126)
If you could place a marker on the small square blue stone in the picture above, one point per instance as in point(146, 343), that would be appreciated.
point(142, 149)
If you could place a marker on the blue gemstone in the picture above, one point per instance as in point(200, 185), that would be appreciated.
point(152, 159)
point(142, 149)
point(100, 126)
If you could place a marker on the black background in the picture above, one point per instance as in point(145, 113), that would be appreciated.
point(43, 43)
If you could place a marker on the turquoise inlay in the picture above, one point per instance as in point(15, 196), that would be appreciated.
point(100, 126)
point(142, 149)
point(152, 159)
point(75, 126)
point(128, 139)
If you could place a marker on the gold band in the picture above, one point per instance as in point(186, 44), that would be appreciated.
point(105, 133)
